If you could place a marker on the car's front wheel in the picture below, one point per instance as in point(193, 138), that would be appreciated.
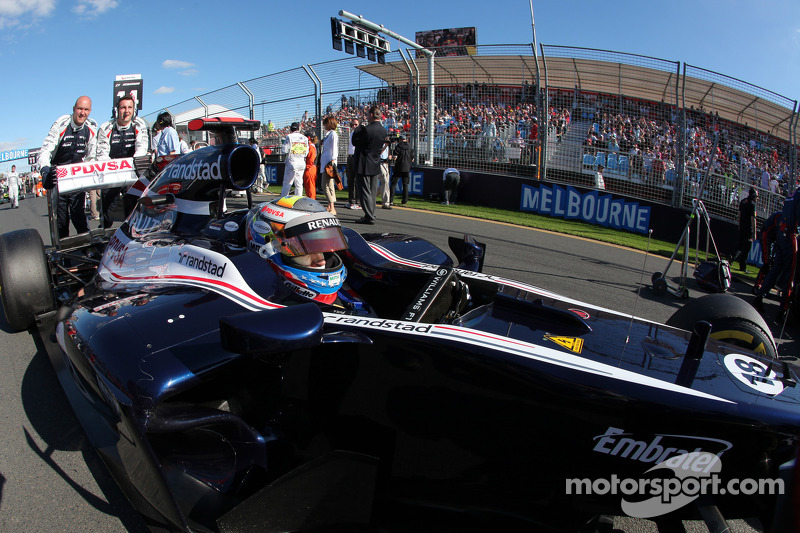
point(25, 281)
point(732, 320)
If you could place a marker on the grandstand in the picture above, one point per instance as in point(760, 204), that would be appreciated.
point(552, 116)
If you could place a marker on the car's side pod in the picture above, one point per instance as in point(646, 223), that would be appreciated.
point(272, 331)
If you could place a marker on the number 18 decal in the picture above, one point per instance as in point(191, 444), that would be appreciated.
point(753, 373)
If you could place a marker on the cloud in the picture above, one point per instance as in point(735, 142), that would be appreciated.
point(164, 90)
point(93, 8)
point(19, 142)
point(175, 63)
point(12, 12)
point(189, 72)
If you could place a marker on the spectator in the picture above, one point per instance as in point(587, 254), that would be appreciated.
point(310, 174)
point(330, 157)
point(450, 181)
point(296, 148)
point(71, 139)
point(184, 147)
point(124, 136)
point(352, 190)
point(13, 187)
point(599, 182)
point(168, 142)
point(369, 142)
point(403, 157)
point(384, 181)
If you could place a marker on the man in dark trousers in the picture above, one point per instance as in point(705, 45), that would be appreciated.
point(369, 142)
point(124, 136)
point(403, 156)
point(71, 139)
point(747, 228)
point(782, 270)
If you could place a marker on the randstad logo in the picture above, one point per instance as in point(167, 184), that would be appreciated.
point(197, 169)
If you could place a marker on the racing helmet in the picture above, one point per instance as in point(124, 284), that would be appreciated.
point(288, 233)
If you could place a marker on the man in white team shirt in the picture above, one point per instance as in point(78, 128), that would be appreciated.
point(296, 149)
point(13, 187)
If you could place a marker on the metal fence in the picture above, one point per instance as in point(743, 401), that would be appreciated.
point(653, 128)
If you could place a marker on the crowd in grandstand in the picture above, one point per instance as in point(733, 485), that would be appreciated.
point(497, 129)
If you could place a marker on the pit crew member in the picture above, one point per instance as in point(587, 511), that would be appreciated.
point(71, 139)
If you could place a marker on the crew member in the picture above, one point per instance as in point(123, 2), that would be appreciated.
point(13, 187)
point(71, 139)
point(296, 148)
point(125, 136)
point(782, 270)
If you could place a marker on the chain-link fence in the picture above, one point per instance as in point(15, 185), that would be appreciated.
point(635, 125)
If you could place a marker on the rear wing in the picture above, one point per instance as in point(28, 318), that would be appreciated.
point(224, 127)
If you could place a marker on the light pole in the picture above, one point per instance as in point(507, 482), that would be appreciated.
point(428, 53)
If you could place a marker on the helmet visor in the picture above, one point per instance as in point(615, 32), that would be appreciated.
point(322, 240)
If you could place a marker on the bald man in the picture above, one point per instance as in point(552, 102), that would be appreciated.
point(71, 139)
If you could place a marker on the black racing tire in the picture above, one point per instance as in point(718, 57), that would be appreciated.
point(24, 277)
point(732, 320)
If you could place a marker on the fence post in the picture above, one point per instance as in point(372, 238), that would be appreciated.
point(250, 97)
point(205, 115)
point(317, 97)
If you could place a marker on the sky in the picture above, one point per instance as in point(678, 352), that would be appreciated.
point(53, 51)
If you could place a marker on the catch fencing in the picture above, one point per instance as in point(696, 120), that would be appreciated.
point(656, 127)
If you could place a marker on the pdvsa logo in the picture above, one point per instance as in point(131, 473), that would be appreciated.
point(101, 166)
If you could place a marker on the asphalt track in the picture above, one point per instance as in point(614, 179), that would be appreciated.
point(51, 480)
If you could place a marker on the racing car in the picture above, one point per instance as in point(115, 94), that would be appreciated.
point(398, 389)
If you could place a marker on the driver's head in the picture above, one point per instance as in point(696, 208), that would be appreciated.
point(300, 238)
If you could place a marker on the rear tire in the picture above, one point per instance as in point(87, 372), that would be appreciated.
point(25, 278)
point(732, 320)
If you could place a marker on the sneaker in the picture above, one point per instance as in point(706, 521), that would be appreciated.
point(387, 206)
point(445, 203)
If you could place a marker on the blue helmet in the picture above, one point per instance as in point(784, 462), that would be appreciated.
point(299, 238)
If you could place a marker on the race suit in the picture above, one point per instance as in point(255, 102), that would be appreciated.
point(769, 233)
point(296, 148)
point(784, 263)
point(67, 143)
point(13, 189)
point(116, 142)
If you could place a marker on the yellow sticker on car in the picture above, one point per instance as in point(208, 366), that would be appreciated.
point(573, 344)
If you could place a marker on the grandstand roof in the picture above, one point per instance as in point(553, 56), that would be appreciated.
point(590, 75)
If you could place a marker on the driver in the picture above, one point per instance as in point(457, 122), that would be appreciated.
point(299, 238)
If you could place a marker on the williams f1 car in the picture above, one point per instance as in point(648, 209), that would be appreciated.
point(228, 387)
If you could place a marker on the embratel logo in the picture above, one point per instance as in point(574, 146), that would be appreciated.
point(657, 449)
point(196, 169)
point(202, 264)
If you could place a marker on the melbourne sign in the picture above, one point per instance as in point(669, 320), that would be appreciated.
point(14, 154)
point(592, 207)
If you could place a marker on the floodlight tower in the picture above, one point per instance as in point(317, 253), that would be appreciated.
point(381, 47)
